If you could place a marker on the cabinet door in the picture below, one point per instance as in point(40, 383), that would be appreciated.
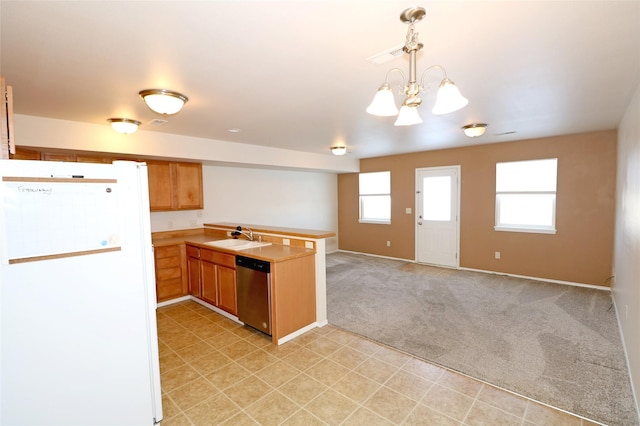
point(160, 185)
point(91, 159)
point(188, 185)
point(54, 156)
point(25, 154)
point(209, 287)
point(193, 267)
point(227, 289)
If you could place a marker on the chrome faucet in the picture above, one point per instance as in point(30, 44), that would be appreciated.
point(239, 231)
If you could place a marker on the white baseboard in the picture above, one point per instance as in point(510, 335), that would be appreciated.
point(626, 355)
point(548, 280)
point(462, 268)
point(297, 333)
point(173, 301)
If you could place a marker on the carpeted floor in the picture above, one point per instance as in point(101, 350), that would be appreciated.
point(554, 343)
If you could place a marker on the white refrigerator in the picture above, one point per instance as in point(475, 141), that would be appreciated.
point(78, 336)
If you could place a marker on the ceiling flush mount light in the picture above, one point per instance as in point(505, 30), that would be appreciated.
point(163, 101)
point(124, 125)
point(474, 130)
point(338, 150)
point(448, 98)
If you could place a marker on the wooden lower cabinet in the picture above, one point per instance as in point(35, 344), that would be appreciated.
point(226, 278)
point(208, 280)
point(169, 266)
point(212, 277)
point(193, 272)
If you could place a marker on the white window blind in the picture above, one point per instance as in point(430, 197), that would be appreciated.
point(526, 196)
point(375, 197)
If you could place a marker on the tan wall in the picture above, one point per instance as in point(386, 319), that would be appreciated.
point(581, 250)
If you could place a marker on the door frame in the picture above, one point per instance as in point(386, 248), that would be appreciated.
point(457, 213)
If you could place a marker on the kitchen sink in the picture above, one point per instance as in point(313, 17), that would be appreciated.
point(233, 244)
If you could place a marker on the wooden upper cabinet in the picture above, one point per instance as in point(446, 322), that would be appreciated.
point(175, 186)
point(54, 156)
point(172, 185)
point(188, 185)
point(92, 159)
point(25, 154)
point(160, 192)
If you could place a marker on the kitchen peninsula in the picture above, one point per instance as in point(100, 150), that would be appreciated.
point(187, 267)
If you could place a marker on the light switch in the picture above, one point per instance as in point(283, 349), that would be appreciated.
point(408, 210)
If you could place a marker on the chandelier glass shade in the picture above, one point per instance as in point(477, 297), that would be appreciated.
point(448, 99)
point(408, 116)
point(162, 101)
point(124, 125)
point(383, 103)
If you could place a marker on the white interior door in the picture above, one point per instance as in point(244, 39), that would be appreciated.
point(437, 211)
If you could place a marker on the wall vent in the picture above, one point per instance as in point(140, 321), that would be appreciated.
point(387, 55)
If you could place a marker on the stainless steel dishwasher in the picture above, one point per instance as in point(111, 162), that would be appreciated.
point(254, 293)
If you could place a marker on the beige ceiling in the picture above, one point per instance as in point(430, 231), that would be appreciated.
point(294, 74)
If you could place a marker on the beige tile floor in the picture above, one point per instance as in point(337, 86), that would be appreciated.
point(215, 371)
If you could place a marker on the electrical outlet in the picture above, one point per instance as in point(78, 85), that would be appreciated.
point(497, 255)
point(388, 243)
point(193, 222)
point(199, 214)
point(170, 224)
point(285, 242)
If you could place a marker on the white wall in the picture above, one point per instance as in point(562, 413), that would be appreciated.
point(284, 198)
point(626, 288)
point(40, 132)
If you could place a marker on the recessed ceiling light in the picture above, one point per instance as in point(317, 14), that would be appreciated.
point(233, 130)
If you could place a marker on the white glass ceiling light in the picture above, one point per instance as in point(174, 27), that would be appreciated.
point(408, 116)
point(338, 150)
point(383, 103)
point(163, 101)
point(474, 130)
point(448, 98)
point(124, 125)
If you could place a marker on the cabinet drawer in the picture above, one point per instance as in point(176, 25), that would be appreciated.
point(219, 258)
point(169, 289)
point(167, 251)
point(193, 251)
point(168, 273)
point(167, 262)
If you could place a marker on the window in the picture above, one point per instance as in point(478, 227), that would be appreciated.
point(526, 196)
point(375, 197)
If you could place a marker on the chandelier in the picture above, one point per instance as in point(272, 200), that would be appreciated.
point(448, 98)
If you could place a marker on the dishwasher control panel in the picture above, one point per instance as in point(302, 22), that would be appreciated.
point(255, 264)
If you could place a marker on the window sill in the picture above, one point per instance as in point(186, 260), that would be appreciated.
point(375, 222)
point(527, 230)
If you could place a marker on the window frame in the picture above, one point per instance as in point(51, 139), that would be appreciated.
point(370, 195)
point(523, 227)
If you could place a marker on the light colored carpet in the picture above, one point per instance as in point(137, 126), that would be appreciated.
point(554, 343)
